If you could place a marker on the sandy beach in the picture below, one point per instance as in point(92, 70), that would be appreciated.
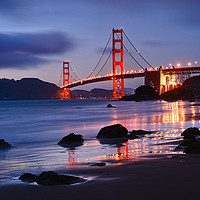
point(163, 177)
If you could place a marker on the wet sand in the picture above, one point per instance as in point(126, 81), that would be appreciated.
point(163, 177)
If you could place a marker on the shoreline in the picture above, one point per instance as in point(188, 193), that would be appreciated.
point(172, 177)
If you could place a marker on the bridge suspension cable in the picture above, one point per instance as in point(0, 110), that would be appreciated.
point(72, 77)
point(104, 63)
point(74, 73)
point(137, 51)
point(100, 56)
point(131, 55)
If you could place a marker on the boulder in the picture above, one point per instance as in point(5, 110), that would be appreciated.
point(193, 148)
point(71, 140)
point(102, 164)
point(140, 132)
point(184, 144)
point(110, 106)
point(113, 131)
point(52, 178)
point(190, 133)
point(28, 177)
point(142, 93)
point(4, 145)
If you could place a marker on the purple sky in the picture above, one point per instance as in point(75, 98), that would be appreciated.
point(36, 36)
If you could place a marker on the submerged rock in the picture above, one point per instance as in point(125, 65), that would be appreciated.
point(110, 106)
point(190, 133)
point(140, 132)
point(102, 164)
point(113, 131)
point(52, 178)
point(71, 140)
point(28, 177)
point(4, 144)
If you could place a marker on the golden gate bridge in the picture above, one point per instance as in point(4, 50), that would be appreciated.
point(160, 79)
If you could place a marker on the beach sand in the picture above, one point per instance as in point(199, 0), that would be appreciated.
point(163, 177)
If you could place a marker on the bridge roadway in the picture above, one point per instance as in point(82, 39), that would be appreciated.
point(104, 78)
point(170, 71)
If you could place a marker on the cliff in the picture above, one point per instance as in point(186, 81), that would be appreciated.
point(190, 90)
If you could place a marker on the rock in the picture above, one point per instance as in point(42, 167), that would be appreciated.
point(132, 136)
point(102, 164)
point(110, 106)
point(184, 144)
point(140, 132)
point(142, 93)
point(71, 140)
point(190, 133)
point(4, 144)
point(28, 177)
point(52, 178)
point(113, 131)
point(114, 141)
point(193, 148)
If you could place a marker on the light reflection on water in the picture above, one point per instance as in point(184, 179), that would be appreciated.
point(41, 124)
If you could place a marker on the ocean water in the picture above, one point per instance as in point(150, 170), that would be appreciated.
point(34, 128)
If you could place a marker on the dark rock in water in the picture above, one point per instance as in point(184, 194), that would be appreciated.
point(71, 140)
point(114, 141)
point(190, 133)
point(140, 132)
point(133, 136)
point(113, 131)
point(142, 93)
point(102, 164)
point(110, 106)
point(52, 178)
point(193, 148)
point(4, 144)
point(184, 144)
point(28, 177)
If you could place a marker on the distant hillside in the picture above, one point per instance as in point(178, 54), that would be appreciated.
point(96, 93)
point(190, 90)
point(27, 89)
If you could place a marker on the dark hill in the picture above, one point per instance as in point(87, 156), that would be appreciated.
point(27, 89)
point(190, 90)
point(92, 94)
point(142, 93)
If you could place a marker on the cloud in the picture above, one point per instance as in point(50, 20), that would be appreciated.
point(25, 50)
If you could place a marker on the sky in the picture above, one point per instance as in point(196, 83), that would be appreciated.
point(37, 36)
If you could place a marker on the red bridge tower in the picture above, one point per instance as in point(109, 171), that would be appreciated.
point(118, 63)
point(66, 91)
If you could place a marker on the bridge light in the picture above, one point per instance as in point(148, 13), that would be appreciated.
point(170, 64)
point(131, 71)
point(195, 62)
point(189, 64)
point(179, 64)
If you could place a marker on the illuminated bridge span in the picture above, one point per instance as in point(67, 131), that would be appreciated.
point(161, 79)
